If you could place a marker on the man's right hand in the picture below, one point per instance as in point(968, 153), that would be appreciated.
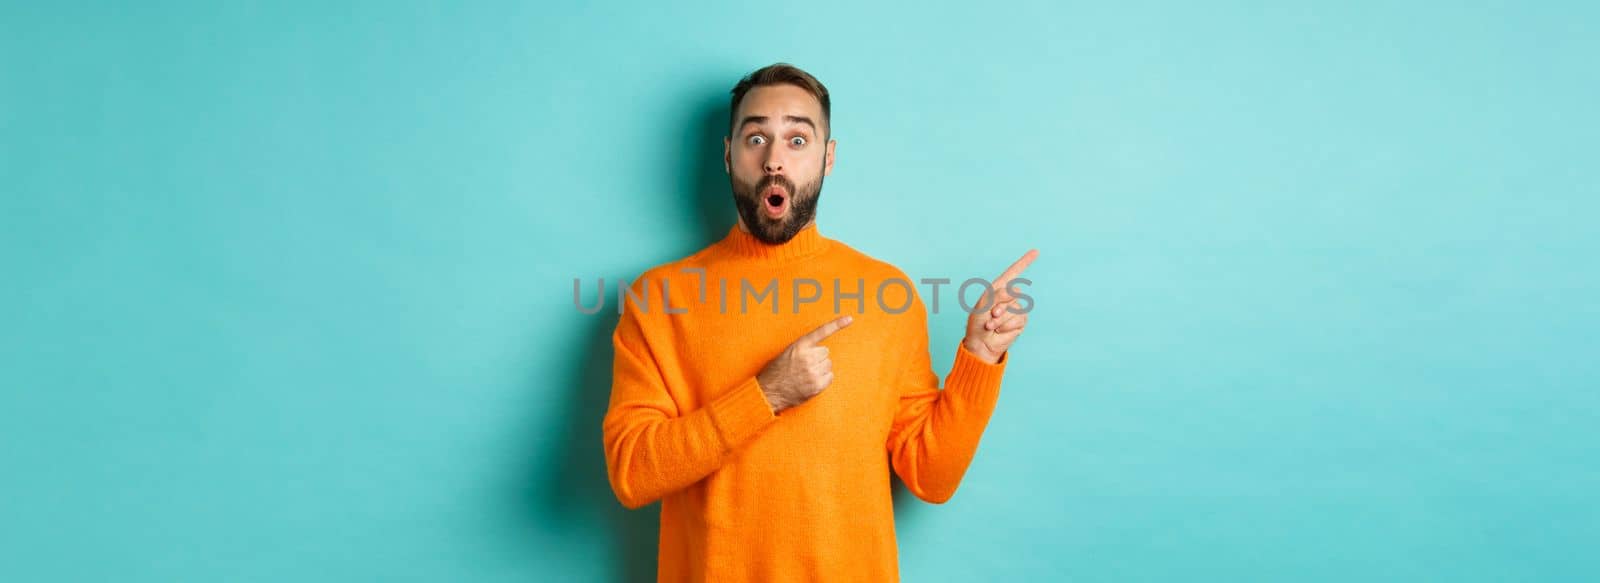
point(802, 370)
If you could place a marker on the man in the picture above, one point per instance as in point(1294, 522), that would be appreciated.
point(767, 394)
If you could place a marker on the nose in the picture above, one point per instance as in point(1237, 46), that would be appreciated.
point(774, 162)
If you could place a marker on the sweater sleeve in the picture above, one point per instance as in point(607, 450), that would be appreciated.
point(653, 448)
point(935, 432)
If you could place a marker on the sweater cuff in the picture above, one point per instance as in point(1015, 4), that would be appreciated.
point(740, 413)
point(973, 373)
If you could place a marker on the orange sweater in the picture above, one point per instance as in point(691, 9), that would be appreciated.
point(804, 495)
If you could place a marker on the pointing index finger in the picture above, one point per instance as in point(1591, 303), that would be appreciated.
point(822, 332)
point(1016, 268)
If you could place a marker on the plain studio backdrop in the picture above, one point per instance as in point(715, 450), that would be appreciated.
point(288, 286)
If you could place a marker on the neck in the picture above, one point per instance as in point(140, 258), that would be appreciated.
point(806, 243)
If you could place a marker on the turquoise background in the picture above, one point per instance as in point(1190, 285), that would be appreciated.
point(288, 285)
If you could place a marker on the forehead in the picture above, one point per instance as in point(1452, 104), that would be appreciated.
point(776, 101)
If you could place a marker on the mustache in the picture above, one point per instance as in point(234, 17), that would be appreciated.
point(774, 180)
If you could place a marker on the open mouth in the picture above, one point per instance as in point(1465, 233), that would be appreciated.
point(777, 202)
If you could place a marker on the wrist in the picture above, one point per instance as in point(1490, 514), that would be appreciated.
point(979, 350)
point(774, 400)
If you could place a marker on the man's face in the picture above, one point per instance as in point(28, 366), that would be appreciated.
point(776, 158)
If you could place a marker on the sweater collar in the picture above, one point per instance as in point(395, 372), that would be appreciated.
point(808, 242)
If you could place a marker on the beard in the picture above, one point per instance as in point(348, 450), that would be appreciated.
point(802, 207)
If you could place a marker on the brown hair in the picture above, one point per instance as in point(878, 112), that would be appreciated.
point(779, 74)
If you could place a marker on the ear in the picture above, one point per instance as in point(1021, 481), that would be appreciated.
point(727, 155)
point(827, 161)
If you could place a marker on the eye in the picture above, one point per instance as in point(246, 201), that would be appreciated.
point(797, 141)
point(757, 140)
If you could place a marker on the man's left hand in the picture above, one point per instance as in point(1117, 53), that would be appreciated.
point(990, 332)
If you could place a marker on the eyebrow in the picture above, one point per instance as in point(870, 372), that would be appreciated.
point(760, 119)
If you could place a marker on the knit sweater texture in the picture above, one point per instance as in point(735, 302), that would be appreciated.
point(804, 494)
